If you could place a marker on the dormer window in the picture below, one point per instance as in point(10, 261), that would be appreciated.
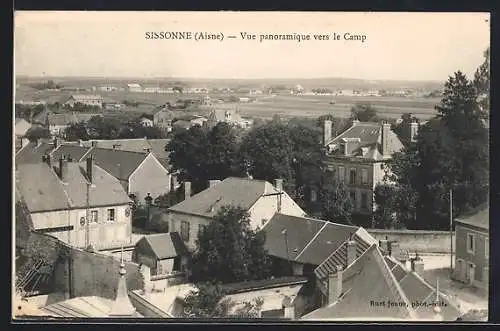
point(364, 151)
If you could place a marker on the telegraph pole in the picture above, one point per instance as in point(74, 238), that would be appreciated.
point(87, 225)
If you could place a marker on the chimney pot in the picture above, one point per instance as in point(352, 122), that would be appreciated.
point(90, 166)
point(327, 132)
point(335, 285)
point(351, 251)
point(63, 169)
point(386, 127)
point(94, 143)
point(187, 190)
point(417, 265)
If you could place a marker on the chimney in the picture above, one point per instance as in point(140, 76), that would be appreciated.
point(38, 142)
point(335, 285)
point(355, 121)
point(413, 130)
point(417, 265)
point(327, 132)
point(213, 182)
point(394, 250)
point(289, 308)
point(351, 251)
point(146, 273)
point(386, 127)
point(278, 184)
point(80, 142)
point(94, 143)
point(90, 166)
point(187, 190)
point(63, 169)
point(56, 143)
point(384, 245)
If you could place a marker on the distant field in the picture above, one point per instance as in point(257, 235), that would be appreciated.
point(315, 106)
point(266, 106)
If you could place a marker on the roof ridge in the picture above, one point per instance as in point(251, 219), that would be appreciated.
point(120, 150)
point(391, 279)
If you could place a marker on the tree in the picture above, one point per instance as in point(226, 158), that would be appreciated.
point(228, 250)
point(76, 131)
point(37, 132)
point(99, 127)
point(402, 130)
point(385, 206)
point(482, 84)
point(268, 153)
point(222, 155)
point(364, 113)
point(208, 302)
point(335, 202)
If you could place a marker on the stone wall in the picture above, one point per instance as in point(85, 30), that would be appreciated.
point(422, 241)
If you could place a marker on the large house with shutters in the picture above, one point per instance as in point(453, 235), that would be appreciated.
point(357, 157)
point(78, 203)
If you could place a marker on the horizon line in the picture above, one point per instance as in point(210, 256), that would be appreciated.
point(229, 78)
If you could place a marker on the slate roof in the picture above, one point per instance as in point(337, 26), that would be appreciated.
point(370, 139)
point(309, 240)
point(81, 307)
point(120, 164)
point(43, 190)
point(368, 279)
point(33, 152)
point(374, 277)
point(162, 245)
point(242, 192)
point(480, 217)
point(76, 152)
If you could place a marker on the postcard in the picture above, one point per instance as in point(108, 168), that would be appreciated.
point(290, 166)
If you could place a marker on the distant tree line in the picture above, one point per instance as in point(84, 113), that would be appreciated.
point(48, 85)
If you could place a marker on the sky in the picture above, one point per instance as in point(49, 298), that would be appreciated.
point(398, 46)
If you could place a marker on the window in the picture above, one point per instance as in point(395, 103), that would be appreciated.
point(185, 231)
point(201, 228)
point(94, 216)
point(314, 196)
point(364, 200)
point(352, 176)
point(487, 248)
point(341, 173)
point(111, 215)
point(364, 176)
point(470, 243)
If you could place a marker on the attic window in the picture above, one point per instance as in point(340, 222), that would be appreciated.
point(364, 151)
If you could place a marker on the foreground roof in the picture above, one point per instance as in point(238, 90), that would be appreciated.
point(242, 192)
point(79, 307)
point(308, 240)
point(120, 164)
point(33, 152)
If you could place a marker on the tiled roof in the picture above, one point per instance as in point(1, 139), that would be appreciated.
point(75, 152)
point(368, 279)
point(242, 192)
point(43, 190)
point(140, 145)
point(417, 289)
point(480, 217)
point(309, 240)
point(162, 245)
point(366, 139)
point(33, 152)
point(120, 164)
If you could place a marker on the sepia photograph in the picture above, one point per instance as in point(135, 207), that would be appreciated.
point(276, 166)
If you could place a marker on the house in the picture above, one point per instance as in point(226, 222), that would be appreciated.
point(140, 173)
point(163, 119)
point(258, 197)
point(357, 157)
point(146, 120)
point(21, 126)
point(230, 116)
point(84, 99)
point(133, 87)
point(61, 196)
point(472, 258)
point(186, 122)
point(379, 288)
point(163, 253)
point(107, 88)
point(303, 246)
point(58, 122)
point(32, 152)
